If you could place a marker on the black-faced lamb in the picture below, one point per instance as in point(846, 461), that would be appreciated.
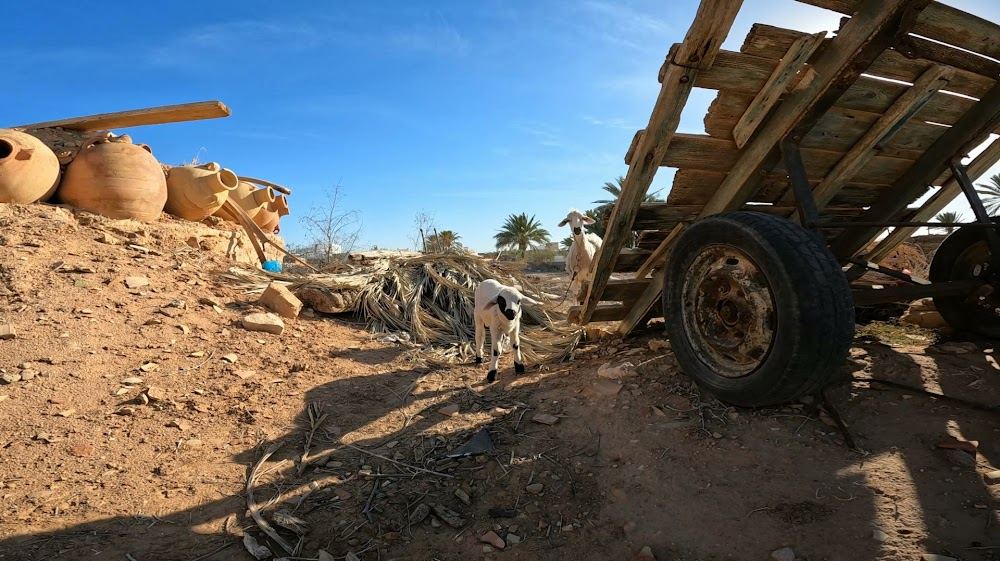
point(498, 308)
point(581, 252)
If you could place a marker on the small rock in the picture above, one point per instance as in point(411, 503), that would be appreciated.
point(449, 517)
point(493, 539)
point(499, 412)
point(623, 370)
point(121, 391)
point(155, 393)
point(512, 539)
point(879, 535)
point(435, 523)
point(783, 554)
point(28, 375)
point(149, 367)
point(210, 302)
point(132, 381)
point(534, 488)
point(7, 332)
point(277, 298)
point(230, 358)
point(419, 513)
point(181, 424)
point(245, 374)
point(463, 496)
point(645, 554)
point(126, 411)
point(67, 413)
point(659, 345)
point(605, 388)
point(716, 435)
point(197, 354)
point(153, 321)
point(449, 410)
point(266, 322)
point(545, 419)
point(136, 282)
point(992, 477)
point(81, 449)
point(960, 458)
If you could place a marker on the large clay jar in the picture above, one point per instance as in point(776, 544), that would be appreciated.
point(116, 179)
point(197, 192)
point(271, 213)
point(250, 198)
point(29, 170)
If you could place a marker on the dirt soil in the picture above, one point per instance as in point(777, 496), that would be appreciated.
point(89, 469)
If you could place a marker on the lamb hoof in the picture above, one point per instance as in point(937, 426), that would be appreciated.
point(492, 376)
point(518, 368)
point(479, 360)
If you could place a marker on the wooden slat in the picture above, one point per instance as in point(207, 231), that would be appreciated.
point(693, 187)
point(602, 312)
point(939, 22)
point(660, 254)
point(710, 28)
point(864, 151)
point(629, 260)
point(139, 117)
point(771, 42)
point(966, 135)
point(977, 167)
point(643, 305)
point(797, 55)
point(626, 291)
point(859, 43)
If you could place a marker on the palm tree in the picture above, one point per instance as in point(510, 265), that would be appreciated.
point(567, 242)
point(604, 206)
point(443, 242)
point(521, 232)
point(948, 219)
point(990, 193)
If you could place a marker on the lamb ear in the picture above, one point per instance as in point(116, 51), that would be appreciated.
point(589, 220)
point(564, 222)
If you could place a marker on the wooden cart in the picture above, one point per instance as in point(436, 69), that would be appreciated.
point(816, 148)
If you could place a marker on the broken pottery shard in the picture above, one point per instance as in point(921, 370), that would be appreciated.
point(265, 322)
point(449, 410)
point(480, 443)
point(277, 298)
point(7, 332)
point(419, 514)
point(136, 282)
point(449, 517)
point(645, 554)
point(545, 419)
point(534, 488)
point(493, 539)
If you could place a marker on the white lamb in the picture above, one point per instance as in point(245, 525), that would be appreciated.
point(498, 307)
point(581, 252)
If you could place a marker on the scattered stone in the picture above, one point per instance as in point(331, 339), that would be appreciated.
point(9, 378)
point(595, 334)
point(534, 488)
point(449, 517)
point(132, 381)
point(435, 523)
point(121, 392)
point(47, 438)
point(879, 535)
point(657, 345)
point(153, 321)
point(645, 554)
point(717, 435)
point(419, 513)
point(623, 370)
point(512, 539)
point(67, 413)
point(136, 282)
point(81, 449)
point(28, 375)
point(266, 322)
point(499, 412)
point(463, 496)
point(107, 238)
point(605, 388)
point(279, 299)
point(149, 367)
point(992, 477)
point(783, 554)
point(246, 374)
point(545, 419)
point(960, 458)
point(126, 411)
point(155, 393)
point(500, 512)
point(7, 332)
point(230, 358)
point(210, 302)
point(184, 329)
point(449, 410)
point(948, 349)
point(197, 354)
point(493, 539)
point(180, 424)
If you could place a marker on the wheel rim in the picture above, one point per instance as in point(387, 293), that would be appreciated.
point(974, 263)
point(728, 311)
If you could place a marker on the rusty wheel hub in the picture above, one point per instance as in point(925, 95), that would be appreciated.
point(728, 311)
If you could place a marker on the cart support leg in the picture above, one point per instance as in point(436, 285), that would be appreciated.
point(804, 200)
point(978, 209)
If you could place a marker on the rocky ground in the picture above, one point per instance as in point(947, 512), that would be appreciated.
point(135, 407)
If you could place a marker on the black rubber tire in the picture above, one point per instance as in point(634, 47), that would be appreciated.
point(813, 307)
point(955, 309)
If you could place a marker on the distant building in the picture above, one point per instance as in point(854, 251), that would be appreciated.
point(552, 246)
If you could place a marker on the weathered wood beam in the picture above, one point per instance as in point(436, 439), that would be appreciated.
point(697, 52)
point(939, 22)
point(798, 53)
point(858, 45)
point(919, 48)
point(660, 254)
point(635, 143)
point(951, 189)
point(626, 291)
point(643, 305)
point(652, 216)
point(629, 260)
point(863, 152)
point(970, 131)
point(139, 117)
point(602, 312)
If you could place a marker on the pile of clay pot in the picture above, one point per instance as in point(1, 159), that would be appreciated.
point(113, 177)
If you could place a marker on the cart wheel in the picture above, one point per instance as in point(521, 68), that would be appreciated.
point(757, 309)
point(965, 255)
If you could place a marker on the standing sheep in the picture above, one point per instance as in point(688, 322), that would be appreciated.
point(499, 308)
point(581, 252)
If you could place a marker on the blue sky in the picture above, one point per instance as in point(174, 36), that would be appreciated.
point(469, 111)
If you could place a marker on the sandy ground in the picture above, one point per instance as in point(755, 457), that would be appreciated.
point(90, 470)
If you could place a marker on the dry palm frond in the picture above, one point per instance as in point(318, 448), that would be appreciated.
point(431, 298)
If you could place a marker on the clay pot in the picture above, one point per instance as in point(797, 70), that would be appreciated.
point(29, 170)
point(197, 192)
point(271, 213)
point(250, 198)
point(116, 179)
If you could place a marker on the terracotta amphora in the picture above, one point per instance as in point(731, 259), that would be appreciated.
point(271, 213)
point(29, 170)
point(115, 178)
point(197, 192)
point(251, 199)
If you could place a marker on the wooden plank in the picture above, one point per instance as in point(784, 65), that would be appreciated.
point(642, 306)
point(976, 168)
point(858, 45)
point(629, 260)
point(771, 42)
point(798, 53)
point(625, 291)
point(635, 142)
point(140, 117)
point(864, 151)
point(967, 134)
point(939, 22)
point(694, 187)
point(602, 312)
point(878, 294)
point(660, 254)
point(710, 28)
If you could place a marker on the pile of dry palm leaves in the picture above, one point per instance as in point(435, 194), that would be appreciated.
point(427, 301)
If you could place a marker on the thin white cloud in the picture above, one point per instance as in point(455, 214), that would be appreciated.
point(244, 39)
point(614, 123)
